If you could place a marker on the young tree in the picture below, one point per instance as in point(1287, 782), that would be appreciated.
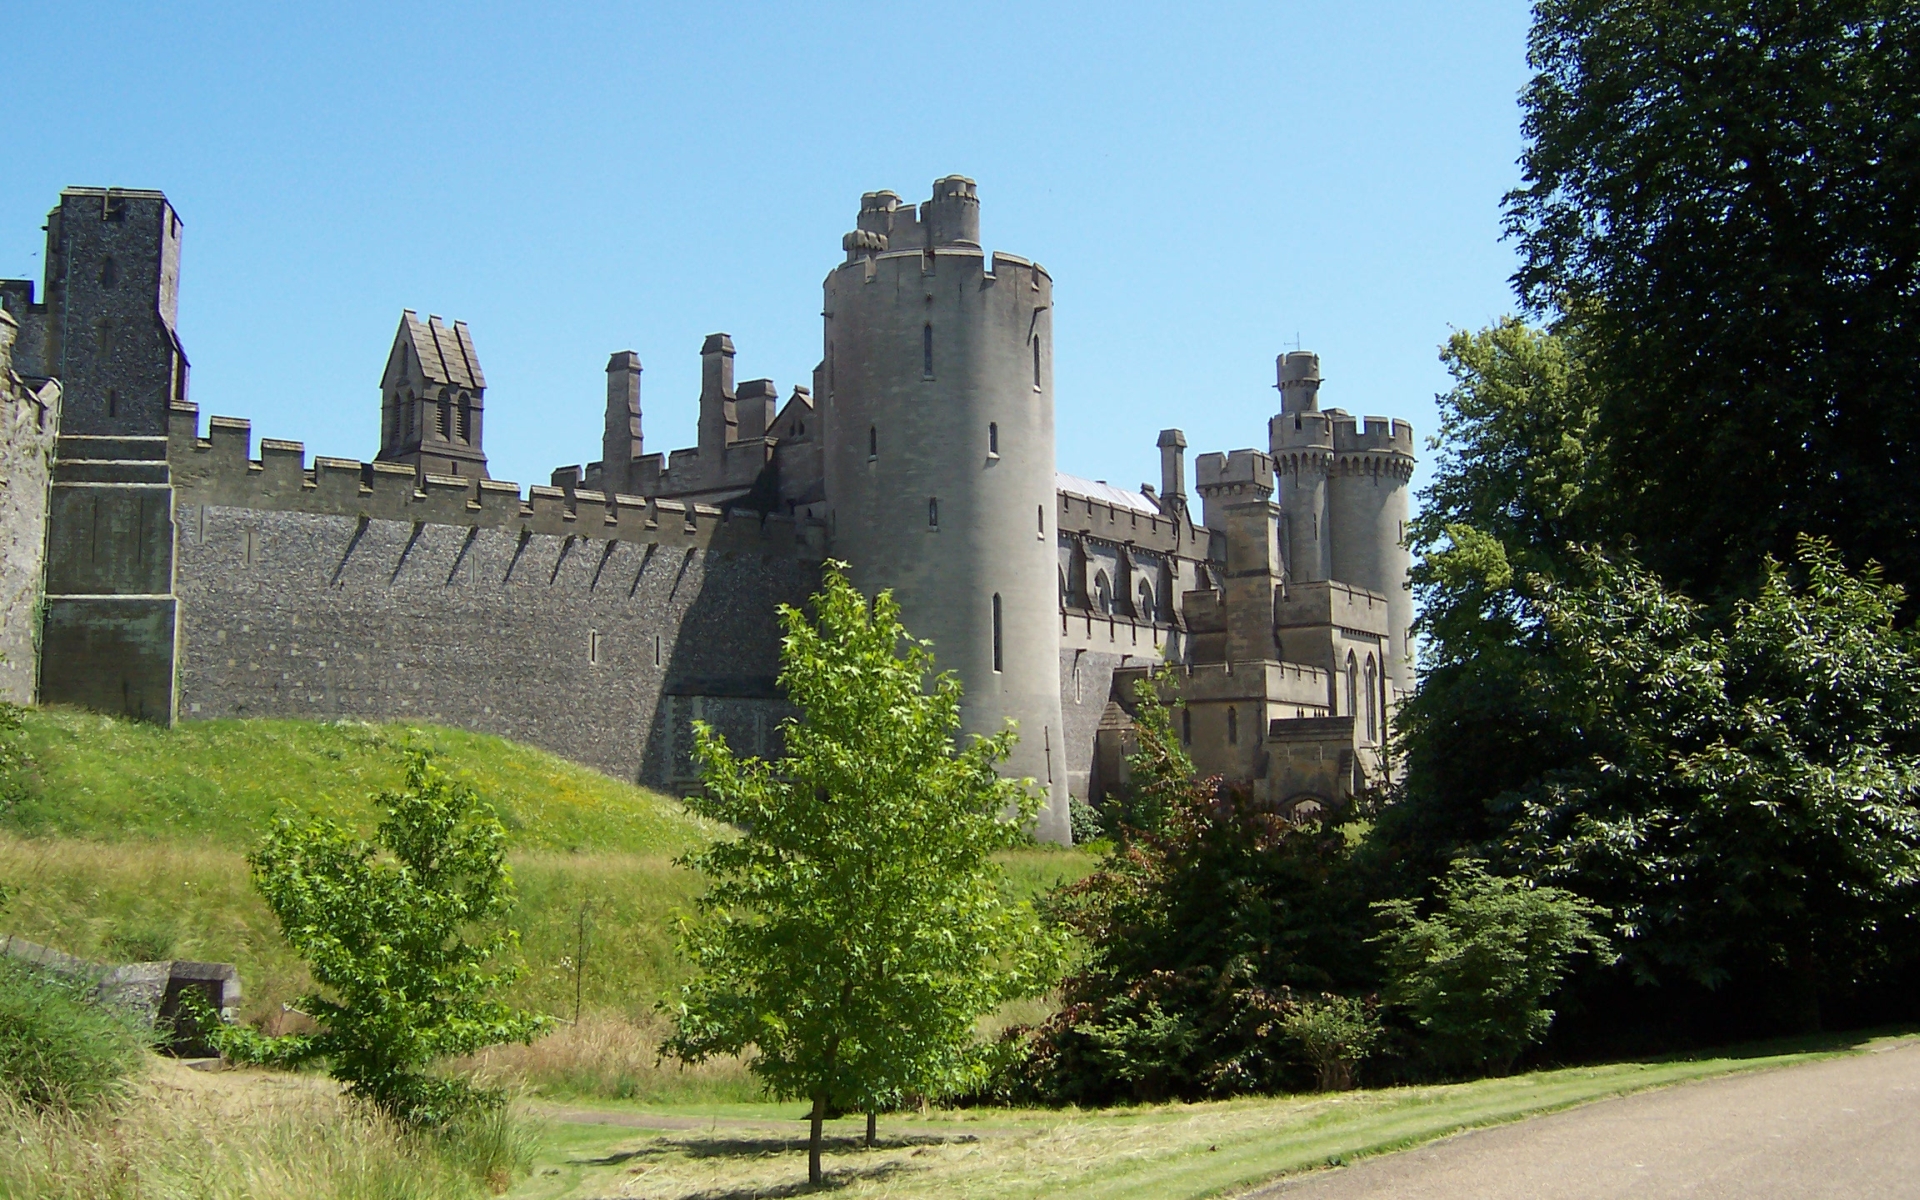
point(858, 926)
point(1475, 976)
point(405, 933)
point(1335, 1033)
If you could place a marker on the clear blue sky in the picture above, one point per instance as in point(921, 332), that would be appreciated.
point(1205, 182)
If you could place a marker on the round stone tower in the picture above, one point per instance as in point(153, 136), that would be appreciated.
point(1301, 440)
point(938, 419)
point(1343, 495)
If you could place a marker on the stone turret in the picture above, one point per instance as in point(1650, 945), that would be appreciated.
point(1237, 492)
point(939, 458)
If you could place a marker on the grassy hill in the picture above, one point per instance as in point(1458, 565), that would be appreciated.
point(127, 842)
point(220, 783)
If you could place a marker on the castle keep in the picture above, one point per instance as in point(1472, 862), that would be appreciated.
point(169, 569)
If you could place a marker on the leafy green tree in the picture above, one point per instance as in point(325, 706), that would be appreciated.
point(1717, 193)
point(1476, 974)
point(1203, 916)
point(1747, 801)
point(859, 926)
point(405, 933)
point(1512, 489)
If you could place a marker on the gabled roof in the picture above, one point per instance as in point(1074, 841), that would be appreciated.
point(446, 355)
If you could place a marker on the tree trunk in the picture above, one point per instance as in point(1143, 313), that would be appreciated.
point(813, 1142)
point(871, 1121)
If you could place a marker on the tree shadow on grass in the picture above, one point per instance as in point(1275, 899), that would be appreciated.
point(767, 1147)
point(1806, 1043)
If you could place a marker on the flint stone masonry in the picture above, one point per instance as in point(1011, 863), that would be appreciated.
point(29, 419)
point(600, 650)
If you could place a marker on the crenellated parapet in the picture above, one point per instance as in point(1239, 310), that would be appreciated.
point(219, 469)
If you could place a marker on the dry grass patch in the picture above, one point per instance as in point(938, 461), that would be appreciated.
point(613, 1056)
point(232, 1136)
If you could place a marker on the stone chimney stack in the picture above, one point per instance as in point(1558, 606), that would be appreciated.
point(621, 443)
point(1173, 465)
point(717, 420)
point(754, 408)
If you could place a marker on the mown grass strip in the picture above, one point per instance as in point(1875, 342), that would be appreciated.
point(1163, 1152)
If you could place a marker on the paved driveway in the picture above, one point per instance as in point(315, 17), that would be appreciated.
point(1845, 1127)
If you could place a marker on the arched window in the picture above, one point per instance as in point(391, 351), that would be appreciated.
point(1373, 709)
point(444, 425)
point(1063, 587)
point(996, 631)
point(1186, 726)
point(933, 513)
point(926, 351)
point(873, 442)
point(1353, 687)
point(1233, 726)
point(1102, 592)
point(466, 418)
point(1145, 611)
point(993, 438)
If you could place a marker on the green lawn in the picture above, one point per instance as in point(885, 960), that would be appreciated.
point(220, 783)
point(129, 843)
point(1162, 1152)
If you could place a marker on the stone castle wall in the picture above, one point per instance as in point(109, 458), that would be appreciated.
point(29, 417)
point(598, 631)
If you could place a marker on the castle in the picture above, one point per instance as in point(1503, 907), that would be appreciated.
point(160, 568)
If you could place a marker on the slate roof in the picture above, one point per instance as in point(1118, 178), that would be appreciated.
point(446, 355)
point(1106, 493)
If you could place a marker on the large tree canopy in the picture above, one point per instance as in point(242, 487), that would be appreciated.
point(1726, 197)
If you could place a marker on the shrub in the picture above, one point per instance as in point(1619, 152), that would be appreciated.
point(60, 1049)
point(1200, 919)
point(1085, 822)
point(1335, 1033)
point(402, 932)
point(1476, 974)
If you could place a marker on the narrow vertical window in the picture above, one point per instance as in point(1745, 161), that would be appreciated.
point(593, 647)
point(1036, 362)
point(1373, 709)
point(1233, 726)
point(830, 379)
point(1186, 726)
point(926, 351)
point(1040, 520)
point(996, 632)
point(656, 649)
point(113, 403)
point(873, 442)
point(993, 437)
point(933, 513)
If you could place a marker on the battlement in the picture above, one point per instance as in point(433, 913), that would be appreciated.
point(1370, 435)
point(1301, 431)
point(1241, 473)
point(219, 470)
point(951, 217)
point(1332, 603)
